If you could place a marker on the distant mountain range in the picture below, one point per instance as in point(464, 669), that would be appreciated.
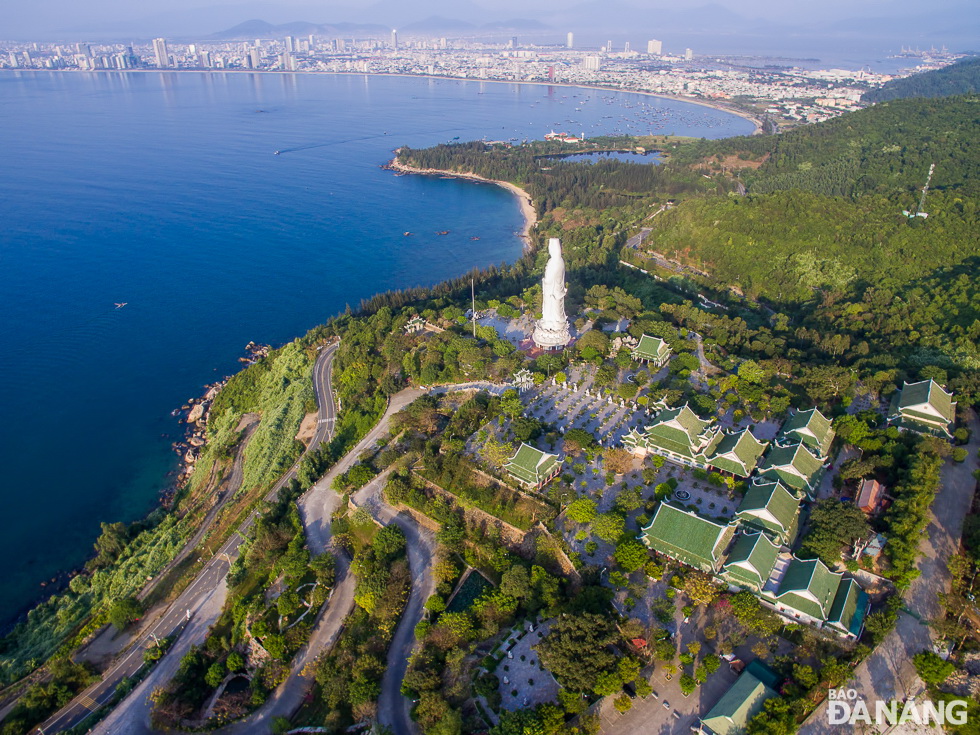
point(431, 25)
point(261, 29)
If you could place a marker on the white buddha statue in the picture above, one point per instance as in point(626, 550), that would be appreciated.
point(551, 331)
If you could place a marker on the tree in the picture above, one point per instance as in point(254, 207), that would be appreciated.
point(235, 661)
point(931, 668)
point(125, 611)
point(576, 650)
point(288, 603)
point(833, 525)
point(619, 461)
point(631, 555)
point(388, 542)
point(516, 582)
point(609, 527)
point(750, 613)
point(623, 704)
point(582, 510)
point(700, 588)
point(628, 500)
point(215, 674)
point(824, 382)
point(776, 718)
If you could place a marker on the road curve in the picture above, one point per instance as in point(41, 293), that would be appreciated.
point(393, 707)
point(191, 604)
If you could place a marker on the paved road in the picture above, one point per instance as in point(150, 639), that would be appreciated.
point(318, 503)
point(888, 673)
point(393, 707)
point(210, 580)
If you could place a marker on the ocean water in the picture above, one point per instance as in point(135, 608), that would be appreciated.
point(161, 190)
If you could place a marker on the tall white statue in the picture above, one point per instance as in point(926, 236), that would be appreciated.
point(551, 331)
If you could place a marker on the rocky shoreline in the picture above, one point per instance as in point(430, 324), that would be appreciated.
point(194, 416)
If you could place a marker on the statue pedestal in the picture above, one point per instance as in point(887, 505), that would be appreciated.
point(551, 335)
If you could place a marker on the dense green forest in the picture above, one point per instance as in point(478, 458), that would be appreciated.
point(963, 77)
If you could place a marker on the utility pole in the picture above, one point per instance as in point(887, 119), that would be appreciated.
point(473, 298)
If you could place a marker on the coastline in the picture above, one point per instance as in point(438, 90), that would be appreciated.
point(721, 107)
point(523, 198)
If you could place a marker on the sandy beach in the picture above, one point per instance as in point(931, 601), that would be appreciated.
point(527, 207)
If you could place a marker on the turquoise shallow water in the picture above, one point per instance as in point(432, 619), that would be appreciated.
point(162, 190)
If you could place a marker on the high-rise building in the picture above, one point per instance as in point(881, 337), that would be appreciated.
point(570, 40)
point(255, 57)
point(14, 61)
point(160, 51)
point(688, 54)
point(655, 48)
point(592, 63)
point(513, 42)
point(394, 40)
point(443, 43)
point(290, 44)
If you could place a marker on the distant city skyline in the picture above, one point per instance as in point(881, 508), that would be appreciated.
point(905, 21)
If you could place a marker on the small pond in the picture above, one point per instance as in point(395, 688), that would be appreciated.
point(471, 588)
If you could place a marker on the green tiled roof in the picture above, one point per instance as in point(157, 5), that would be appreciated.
point(651, 348)
point(738, 705)
point(925, 403)
point(751, 560)
point(849, 608)
point(794, 465)
point(681, 431)
point(532, 465)
point(771, 506)
point(737, 453)
point(808, 586)
point(812, 428)
point(687, 537)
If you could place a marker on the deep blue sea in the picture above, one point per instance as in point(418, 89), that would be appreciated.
point(161, 190)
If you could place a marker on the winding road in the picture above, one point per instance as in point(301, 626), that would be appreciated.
point(393, 707)
point(197, 607)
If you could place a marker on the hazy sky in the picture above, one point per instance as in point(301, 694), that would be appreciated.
point(20, 19)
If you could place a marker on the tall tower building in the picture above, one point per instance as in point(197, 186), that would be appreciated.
point(655, 48)
point(160, 51)
point(688, 54)
point(394, 40)
point(290, 44)
point(570, 40)
point(255, 57)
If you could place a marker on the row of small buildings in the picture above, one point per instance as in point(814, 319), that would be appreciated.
point(751, 552)
point(796, 457)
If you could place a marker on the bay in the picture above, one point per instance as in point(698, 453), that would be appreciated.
point(161, 190)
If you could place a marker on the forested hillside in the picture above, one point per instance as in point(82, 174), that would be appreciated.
point(885, 149)
point(963, 77)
